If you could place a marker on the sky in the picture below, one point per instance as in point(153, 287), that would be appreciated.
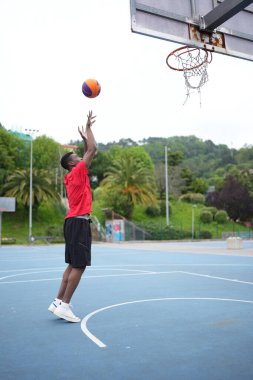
point(49, 47)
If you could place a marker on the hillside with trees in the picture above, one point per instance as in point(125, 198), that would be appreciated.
point(127, 175)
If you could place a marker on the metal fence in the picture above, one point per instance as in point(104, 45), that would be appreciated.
point(243, 235)
point(132, 232)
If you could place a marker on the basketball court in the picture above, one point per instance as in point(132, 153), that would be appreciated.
point(180, 310)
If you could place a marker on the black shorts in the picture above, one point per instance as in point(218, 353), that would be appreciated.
point(77, 234)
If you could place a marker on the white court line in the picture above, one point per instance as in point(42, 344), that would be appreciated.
point(98, 267)
point(26, 281)
point(140, 273)
point(58, 270)
point(30, 259)
point(87, 277)
point(27, 273)
point(101, 267)
point(100, 344)
point(124, 269)
point(172, 265)
point(27, 269)
point(217, 278)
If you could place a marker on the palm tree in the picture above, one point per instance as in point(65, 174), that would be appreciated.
point(129, 179)
point(18, 186)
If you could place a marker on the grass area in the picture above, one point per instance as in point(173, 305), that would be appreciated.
point(181, 219)
point(47, 220)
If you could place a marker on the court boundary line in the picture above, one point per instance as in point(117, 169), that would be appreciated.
point(87, 277)
point(140, 273)
point(58, 270)
point(123, 266)
point(100, 344)
point(218, 278)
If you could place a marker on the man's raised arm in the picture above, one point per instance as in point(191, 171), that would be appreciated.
point(90, 146)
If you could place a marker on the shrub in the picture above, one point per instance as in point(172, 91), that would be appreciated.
point(213, 210)
point(221, 217)
point(153, 211)
point(163, 232)
point(205, 235)
point(98, 212)
point(54, 230)
point(97, 193)
point(206, 216)
point(193, 198)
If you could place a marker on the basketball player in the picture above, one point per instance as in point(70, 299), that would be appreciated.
point(77, 231)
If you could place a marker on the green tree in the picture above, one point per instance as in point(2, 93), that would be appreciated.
point(18, 186)
point(244, 154)
point(137, 152)
point(188, 176)
point(128, 182)
point(199, 185)
point(13, 151)
point(175, 158)
point(154, 146)
point(98, 167)
point(46, 153)
point(217, 182)
point(13, 154)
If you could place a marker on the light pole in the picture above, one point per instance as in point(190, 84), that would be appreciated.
point(167, 187)
point(31, 133)
point(193, 207)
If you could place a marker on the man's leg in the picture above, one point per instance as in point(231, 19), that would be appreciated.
point(69, 283)
point(73, 280)
point(64, 282)
point(56, 302)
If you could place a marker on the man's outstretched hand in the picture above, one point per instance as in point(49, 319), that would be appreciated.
point(89, 123)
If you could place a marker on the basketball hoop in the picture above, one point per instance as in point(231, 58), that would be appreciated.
point(193, 62)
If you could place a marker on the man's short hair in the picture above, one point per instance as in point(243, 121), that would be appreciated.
point(65, 160)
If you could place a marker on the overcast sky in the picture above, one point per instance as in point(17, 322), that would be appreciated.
point(49, 47)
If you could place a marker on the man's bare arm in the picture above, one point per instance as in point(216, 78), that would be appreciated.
point(90, 145)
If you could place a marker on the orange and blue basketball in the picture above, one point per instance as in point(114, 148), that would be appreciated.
point(91, 88)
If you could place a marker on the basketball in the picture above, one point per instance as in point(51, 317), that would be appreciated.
point(91, 88)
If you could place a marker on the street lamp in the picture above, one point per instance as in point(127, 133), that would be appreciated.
point(167, 186)
point(31, 133)
point(193, 207)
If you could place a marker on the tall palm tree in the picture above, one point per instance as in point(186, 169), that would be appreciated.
point(128, 177)
point(18, 185)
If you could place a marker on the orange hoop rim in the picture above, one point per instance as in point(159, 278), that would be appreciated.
point(184, 50)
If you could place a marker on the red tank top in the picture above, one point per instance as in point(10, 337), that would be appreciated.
point(77, 185)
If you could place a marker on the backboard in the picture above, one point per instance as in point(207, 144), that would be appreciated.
point(221, 26)
point(7, 204)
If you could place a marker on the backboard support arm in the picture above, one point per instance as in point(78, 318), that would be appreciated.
point(222, 13)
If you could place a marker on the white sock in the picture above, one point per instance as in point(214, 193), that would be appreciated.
point(64, 304)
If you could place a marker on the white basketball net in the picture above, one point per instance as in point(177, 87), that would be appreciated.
point(193, 62)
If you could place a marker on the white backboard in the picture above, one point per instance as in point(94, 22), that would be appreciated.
point(182, 22)
point(7, 204)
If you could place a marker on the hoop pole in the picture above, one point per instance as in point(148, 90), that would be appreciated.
point(167, 186)
point(31, 192)
point(1, 228)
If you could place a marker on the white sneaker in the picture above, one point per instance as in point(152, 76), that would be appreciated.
point(66, 313)
point(54, 305)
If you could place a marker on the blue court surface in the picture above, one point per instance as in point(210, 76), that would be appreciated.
point(149, 311)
